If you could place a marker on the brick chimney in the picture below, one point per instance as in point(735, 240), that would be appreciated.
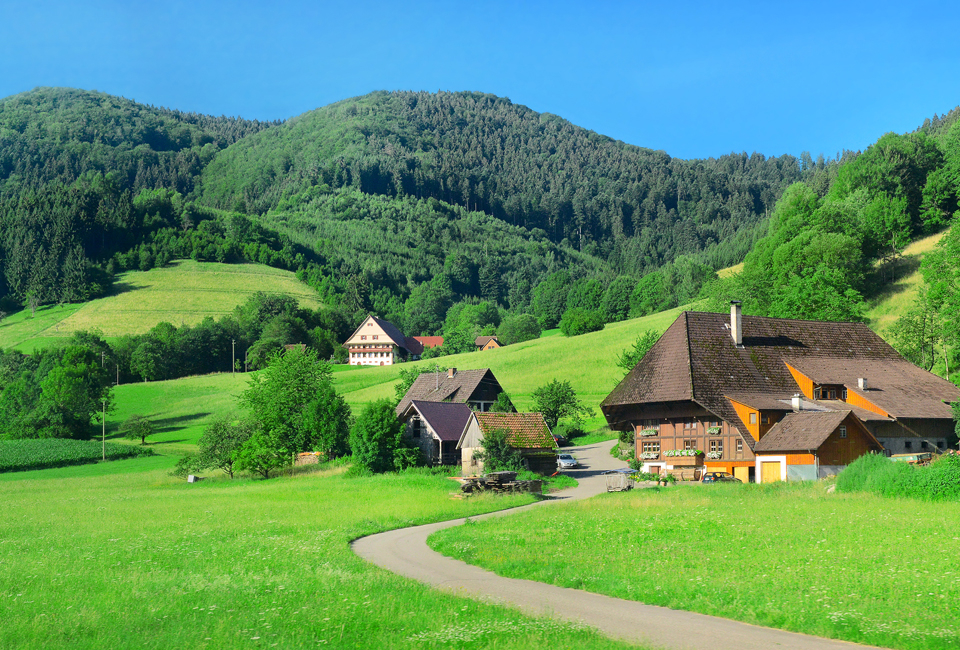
point(736, 322)
point(451, 373)
point(796, 402)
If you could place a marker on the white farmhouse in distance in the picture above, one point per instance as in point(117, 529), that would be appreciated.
point(379, 343)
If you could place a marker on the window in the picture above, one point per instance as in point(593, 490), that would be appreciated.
point(908, 444)
point(753, 418)
point(651, 447)
point(417, 427)
point(941, 444)
point(843, 431)
point(374, 337)
point(739, 448)
point(844, 393)
point(716, 446)
point(817, 392)
point(689, 444)
point(764, 418)
point(363, 337)
point(650, 424)
point(923, 444)
point(833, 393)
point(690, 423)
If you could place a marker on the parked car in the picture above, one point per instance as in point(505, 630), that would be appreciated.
point(567, 461)
point(560, 440)
point(719, 477)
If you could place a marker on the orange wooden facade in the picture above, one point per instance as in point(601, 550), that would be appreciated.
point(804, 382)
point(855, 400)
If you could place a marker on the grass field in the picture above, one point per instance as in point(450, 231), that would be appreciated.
point(900, 294)
point(588, 362)
point(183, 292)
point(852, 566)
point(178, 408)
point(120, 555)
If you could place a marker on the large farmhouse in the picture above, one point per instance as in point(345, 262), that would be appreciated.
point(775, 399)
point(379, 343)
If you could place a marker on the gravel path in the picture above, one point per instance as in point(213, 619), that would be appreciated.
point(405, 552)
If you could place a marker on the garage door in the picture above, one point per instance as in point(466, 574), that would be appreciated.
point(769, 472)
point(742, 473)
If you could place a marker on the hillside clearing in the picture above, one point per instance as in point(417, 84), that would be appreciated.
point(182, 293)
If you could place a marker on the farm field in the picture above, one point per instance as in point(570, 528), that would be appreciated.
point(121, 555)
point(792, 556)
point(183, 292)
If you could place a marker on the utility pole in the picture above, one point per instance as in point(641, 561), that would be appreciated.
point(103, 418)
point(118, 374)
point(102, 354)
point(233, 363)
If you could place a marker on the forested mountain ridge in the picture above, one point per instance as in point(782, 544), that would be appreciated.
point(634, 207)
point(58, 134)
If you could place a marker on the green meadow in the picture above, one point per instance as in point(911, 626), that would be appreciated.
point(847, 566)
point(588, 362)
point(121, 555)
point(182, 293)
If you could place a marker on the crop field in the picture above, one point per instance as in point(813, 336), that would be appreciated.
point(19, 455)
point(183, 292)
point(121, 555)
point(847, 566)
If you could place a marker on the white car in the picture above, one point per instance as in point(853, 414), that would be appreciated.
point(567, 461)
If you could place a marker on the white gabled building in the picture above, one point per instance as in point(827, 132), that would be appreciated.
point(379, 343)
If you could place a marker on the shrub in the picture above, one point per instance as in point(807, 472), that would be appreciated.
point(581, 321)
point(878, 474)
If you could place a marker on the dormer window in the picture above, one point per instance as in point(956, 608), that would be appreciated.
point(817, 392)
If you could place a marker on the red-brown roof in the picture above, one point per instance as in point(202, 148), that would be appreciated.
point(527, 430)
point(430, 341)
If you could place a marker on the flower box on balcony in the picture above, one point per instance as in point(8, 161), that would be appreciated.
point(714, 431)
point(649, 432)
point(714, 455)
point(649, 455)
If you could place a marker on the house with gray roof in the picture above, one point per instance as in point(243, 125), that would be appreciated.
point(436, 428)
point(712, 389)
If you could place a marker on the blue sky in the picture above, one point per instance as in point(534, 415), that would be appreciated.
point(694, 79)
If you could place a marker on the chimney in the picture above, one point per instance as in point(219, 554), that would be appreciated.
point(451, 372)
point(862, 383)
point(736, 322)
point(796, 402)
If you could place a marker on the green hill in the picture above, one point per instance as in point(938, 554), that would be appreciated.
point(634, 207)
point(184, 292)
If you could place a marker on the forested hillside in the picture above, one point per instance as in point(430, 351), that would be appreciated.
point(85, 176)
point(633, 207)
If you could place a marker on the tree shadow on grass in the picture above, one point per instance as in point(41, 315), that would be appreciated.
point(165, 442)
point(178, 423)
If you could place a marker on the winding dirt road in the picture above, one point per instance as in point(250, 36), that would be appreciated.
point(405, 552)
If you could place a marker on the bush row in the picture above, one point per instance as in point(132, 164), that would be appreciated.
point(940, 481)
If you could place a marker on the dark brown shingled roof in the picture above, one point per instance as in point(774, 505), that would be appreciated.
point(445, 418)
point(527, 430)
point(697, 360)
point(896, 386)
point(438, 387)
point(803, 430)
point(483, 340)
